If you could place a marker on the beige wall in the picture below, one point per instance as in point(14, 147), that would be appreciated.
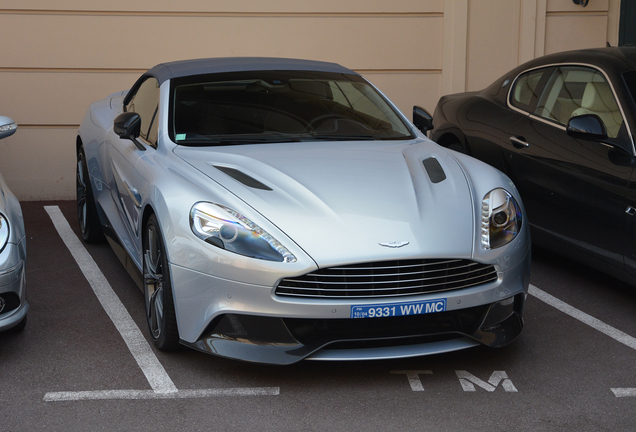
point(59, 56)
point(502, 34)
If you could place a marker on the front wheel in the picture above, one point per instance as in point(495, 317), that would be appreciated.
point(160, 312)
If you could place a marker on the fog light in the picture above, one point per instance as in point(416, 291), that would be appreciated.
point(2, 303)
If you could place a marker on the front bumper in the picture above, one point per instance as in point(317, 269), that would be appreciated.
point(288, 340)
point(249, 322)
point(13, 305)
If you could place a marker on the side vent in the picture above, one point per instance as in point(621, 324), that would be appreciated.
point(243, 178)
point(434, 170)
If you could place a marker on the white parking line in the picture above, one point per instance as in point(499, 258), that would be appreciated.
point(161, 384)
point(624, 392)
point(139, 348)
point(595, 323)
point(149, 394)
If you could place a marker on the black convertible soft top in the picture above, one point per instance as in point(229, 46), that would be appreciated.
point(166, 71)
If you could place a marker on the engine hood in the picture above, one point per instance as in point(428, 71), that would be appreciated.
point(353, 201)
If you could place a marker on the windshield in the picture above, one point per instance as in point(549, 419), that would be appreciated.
point(279, 106)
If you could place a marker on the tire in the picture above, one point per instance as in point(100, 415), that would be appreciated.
point(90, 228)
point(160, 314)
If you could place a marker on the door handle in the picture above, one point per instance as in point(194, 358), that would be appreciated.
point(519, 142)
point(133, 194)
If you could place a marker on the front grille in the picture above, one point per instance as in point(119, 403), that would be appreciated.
point(388, 279)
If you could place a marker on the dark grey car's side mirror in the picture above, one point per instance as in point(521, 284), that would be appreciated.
point(128, 126)
point(422, 119)
point(7, 127)
point(587, 126)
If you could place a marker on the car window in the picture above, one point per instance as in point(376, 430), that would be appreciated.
point(145, 103)
point(279, 106)
point(630, 80)
point(576, 90)
point(523, 93)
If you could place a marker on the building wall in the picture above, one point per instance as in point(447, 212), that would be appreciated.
point(61, 55)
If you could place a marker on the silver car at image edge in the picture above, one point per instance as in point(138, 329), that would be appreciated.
point(274, 210)
point(13, 304)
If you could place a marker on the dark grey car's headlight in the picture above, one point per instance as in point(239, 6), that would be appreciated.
point(500, 219)
point(4, 231)
point(225, 228)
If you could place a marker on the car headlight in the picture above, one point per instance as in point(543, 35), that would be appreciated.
point(225, 228)
point(500, 219)
point(4, 231)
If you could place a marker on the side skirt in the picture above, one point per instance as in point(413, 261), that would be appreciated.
point(121, 253)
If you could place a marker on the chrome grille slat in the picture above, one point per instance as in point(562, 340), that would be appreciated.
point(384, 276)
point(353, 267)
point(401, 287)
point(388, 279)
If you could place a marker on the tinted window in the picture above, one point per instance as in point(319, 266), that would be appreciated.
point(145, 102)
point(279, 106)
point(630, 80)
point(575, 90)
point(524, 91)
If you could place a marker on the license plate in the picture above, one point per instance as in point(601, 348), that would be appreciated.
point(398, 309)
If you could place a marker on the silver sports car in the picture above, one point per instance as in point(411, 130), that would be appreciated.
point(13, 304)
point(273, 210)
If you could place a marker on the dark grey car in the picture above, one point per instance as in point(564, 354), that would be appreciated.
point(13, 304)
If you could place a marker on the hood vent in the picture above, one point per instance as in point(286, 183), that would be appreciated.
point(434, 170)
point(243, 178)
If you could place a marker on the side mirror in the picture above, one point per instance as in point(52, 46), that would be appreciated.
point(128, 126)
point(7, 127)
point(587, 127)
point(422, 119)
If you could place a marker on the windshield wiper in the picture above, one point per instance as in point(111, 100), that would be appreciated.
point(344, 137)
point(265, 137)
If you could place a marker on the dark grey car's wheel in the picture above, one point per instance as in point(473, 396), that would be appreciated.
point(160, 313)
point(90, 228)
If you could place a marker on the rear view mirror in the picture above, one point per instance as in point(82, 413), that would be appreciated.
point(7, 127)
point(587, 126)
point(422, 119)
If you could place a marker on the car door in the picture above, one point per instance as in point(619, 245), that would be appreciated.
point(127, 181)
point(629, 103)
point(573, 189)
point(487, 119)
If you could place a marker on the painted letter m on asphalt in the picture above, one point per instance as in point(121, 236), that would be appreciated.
point(468, 381)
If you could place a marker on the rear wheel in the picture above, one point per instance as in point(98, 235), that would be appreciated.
point(160, 312)
point(90, 229)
